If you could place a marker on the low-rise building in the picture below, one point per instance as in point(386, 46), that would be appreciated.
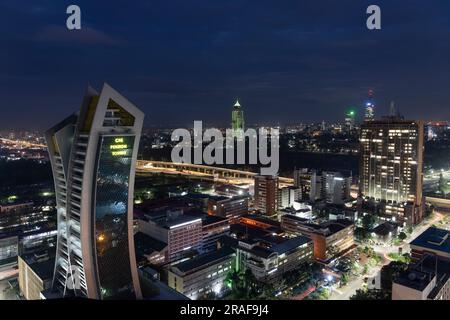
point(9, 250)
point(271, 257)
point(182, 233)
point(226, 207)
point(150, 250)
point(16, 207)
point(35, 274)
point(428, 279)
point(433, 241)
point(213, 228)
point(203, 274)
point(330, 239)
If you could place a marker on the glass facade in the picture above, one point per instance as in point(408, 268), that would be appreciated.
point(111, 214)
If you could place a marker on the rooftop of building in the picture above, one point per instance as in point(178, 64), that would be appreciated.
point(260, 218)
point(326, 228)
point(208, 219)
point(393, 120)
point(414, 279)
point(291, 244)
point(170, 219)
point(204, 260)
point(146, 244)
point(263, 243)
point(295, 217)
point(248, 231)
point(420, 274)
point(154, 289)
point(434, 239)
point(383, 229)
point(41, 262)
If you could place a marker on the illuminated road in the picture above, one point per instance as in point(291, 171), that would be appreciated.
point(222, 175)
point(23, 143)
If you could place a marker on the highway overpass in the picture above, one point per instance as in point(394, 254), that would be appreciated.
point(217, 174)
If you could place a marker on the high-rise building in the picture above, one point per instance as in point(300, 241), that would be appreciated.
point(332, 187)
point(350, 120)
point(93, 156)
point(335, 187)
point(369, 113)
point(391, 167)
point(237, 120)
point(266, 194)
point(288, 196)
point(306, 180)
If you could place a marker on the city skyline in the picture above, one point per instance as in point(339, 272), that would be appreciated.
point(295, 57)
point(254, 151)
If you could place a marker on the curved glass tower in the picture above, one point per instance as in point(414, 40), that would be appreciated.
point(93, 155)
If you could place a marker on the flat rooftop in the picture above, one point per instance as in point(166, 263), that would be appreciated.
point(435, 239)
point(204, 260)
point(414, 279)
point(146, 245)
point(209, 219)
point(42, 263)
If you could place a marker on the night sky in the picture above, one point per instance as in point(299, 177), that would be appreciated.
point(185, 60)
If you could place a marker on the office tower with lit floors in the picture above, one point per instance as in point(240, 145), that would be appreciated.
point(93, 155)
point(369, 111)
point(266, 194)
point(391, 167)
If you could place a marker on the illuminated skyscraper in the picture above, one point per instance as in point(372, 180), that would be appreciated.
point(391, 167)
point(93, 155)
point(237, 120)
point(266, 194)
point(350, 120)
point(369, 113)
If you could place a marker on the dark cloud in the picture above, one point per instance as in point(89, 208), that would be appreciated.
point(287, 61)
point(86, 35)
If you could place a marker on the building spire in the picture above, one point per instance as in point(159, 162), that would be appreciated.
point(237, 103)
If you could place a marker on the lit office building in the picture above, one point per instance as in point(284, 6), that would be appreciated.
point(266, 195)
point(335, 187)
point(182, 233)
point(226, 207)
point(330, 238)
point(202, 275)
point(271, 257)
point(369, 112)
point(391, 167)
point(93, 155)
point(306, 181)
point(332, 187)
point(288, 197)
